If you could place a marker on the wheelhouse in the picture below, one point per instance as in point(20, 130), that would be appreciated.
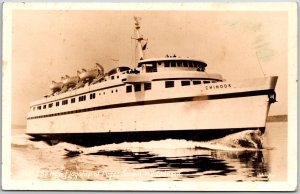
point(171, 64)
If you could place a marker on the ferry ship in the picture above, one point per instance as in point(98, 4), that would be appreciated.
point(168, 97)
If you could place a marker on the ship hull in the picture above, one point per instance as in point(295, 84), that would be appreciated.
point(203, 114)
point(198, 119)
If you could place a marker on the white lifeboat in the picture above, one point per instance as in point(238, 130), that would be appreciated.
point(88, 74)
point(70, 81)
point(56, 86)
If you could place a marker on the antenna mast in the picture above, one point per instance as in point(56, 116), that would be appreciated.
point(260, 65)
point(139, 38)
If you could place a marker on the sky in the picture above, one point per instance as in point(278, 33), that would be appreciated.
point(237, 44)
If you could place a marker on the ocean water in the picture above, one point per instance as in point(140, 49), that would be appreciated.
point(236, 157)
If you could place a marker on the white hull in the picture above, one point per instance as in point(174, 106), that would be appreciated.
point(245, 112)
point(208, 109)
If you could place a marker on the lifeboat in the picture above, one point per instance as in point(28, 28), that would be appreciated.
point(56, 86)
point(70, 81)
point(88, 74)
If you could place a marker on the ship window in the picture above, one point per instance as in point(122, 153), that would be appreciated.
point(179, 63)
point(147, 86)
point(196, 82)
point(64, 102)
point(167, 64)
point(169, 84)
point(112, 91)
point(33, 109)
point(39, 107)
point(191, 64)
point(214, 81)
point(185, 64)
point(57, 103)
point(151, 67)
point(159, 62)
point(117, 77)
point(72, 100)
point(92, 96)
point(206, 82)
point(112, 77)
point(50, 105)
point(128, 89)
point(173, 64)
point(44, 107)
point(116, 90)
point(82, 98)
point(137, 87)
point(185, 83)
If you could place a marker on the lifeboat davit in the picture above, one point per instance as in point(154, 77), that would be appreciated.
point(70, 81)
point(56, 86)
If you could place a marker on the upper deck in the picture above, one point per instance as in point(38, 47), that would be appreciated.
point(149, 70)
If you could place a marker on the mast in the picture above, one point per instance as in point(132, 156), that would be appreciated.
point(139, 38)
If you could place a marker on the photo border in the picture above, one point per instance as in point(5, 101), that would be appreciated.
point(289, 185)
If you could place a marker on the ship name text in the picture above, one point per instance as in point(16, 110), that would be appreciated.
point(221, 86)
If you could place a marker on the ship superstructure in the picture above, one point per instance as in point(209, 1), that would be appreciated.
point(168, 97)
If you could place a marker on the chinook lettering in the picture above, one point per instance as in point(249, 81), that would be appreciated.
point(220, 86)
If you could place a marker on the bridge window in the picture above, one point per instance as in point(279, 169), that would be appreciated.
point(72, 100)
point(147, 86)
point(137, 87)
point(206, 82)
point(57, 103)
point(169, 84)
point(173, 64)
point(50, 105)
point(196, 82)
point(167, 64)
point(179, 63)
point(185, 64)
point(92, 96)
point(128, 89)
point(64, 102)
point(151, 67)
point(185, 83)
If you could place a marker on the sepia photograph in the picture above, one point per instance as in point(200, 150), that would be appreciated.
point(149, 96)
